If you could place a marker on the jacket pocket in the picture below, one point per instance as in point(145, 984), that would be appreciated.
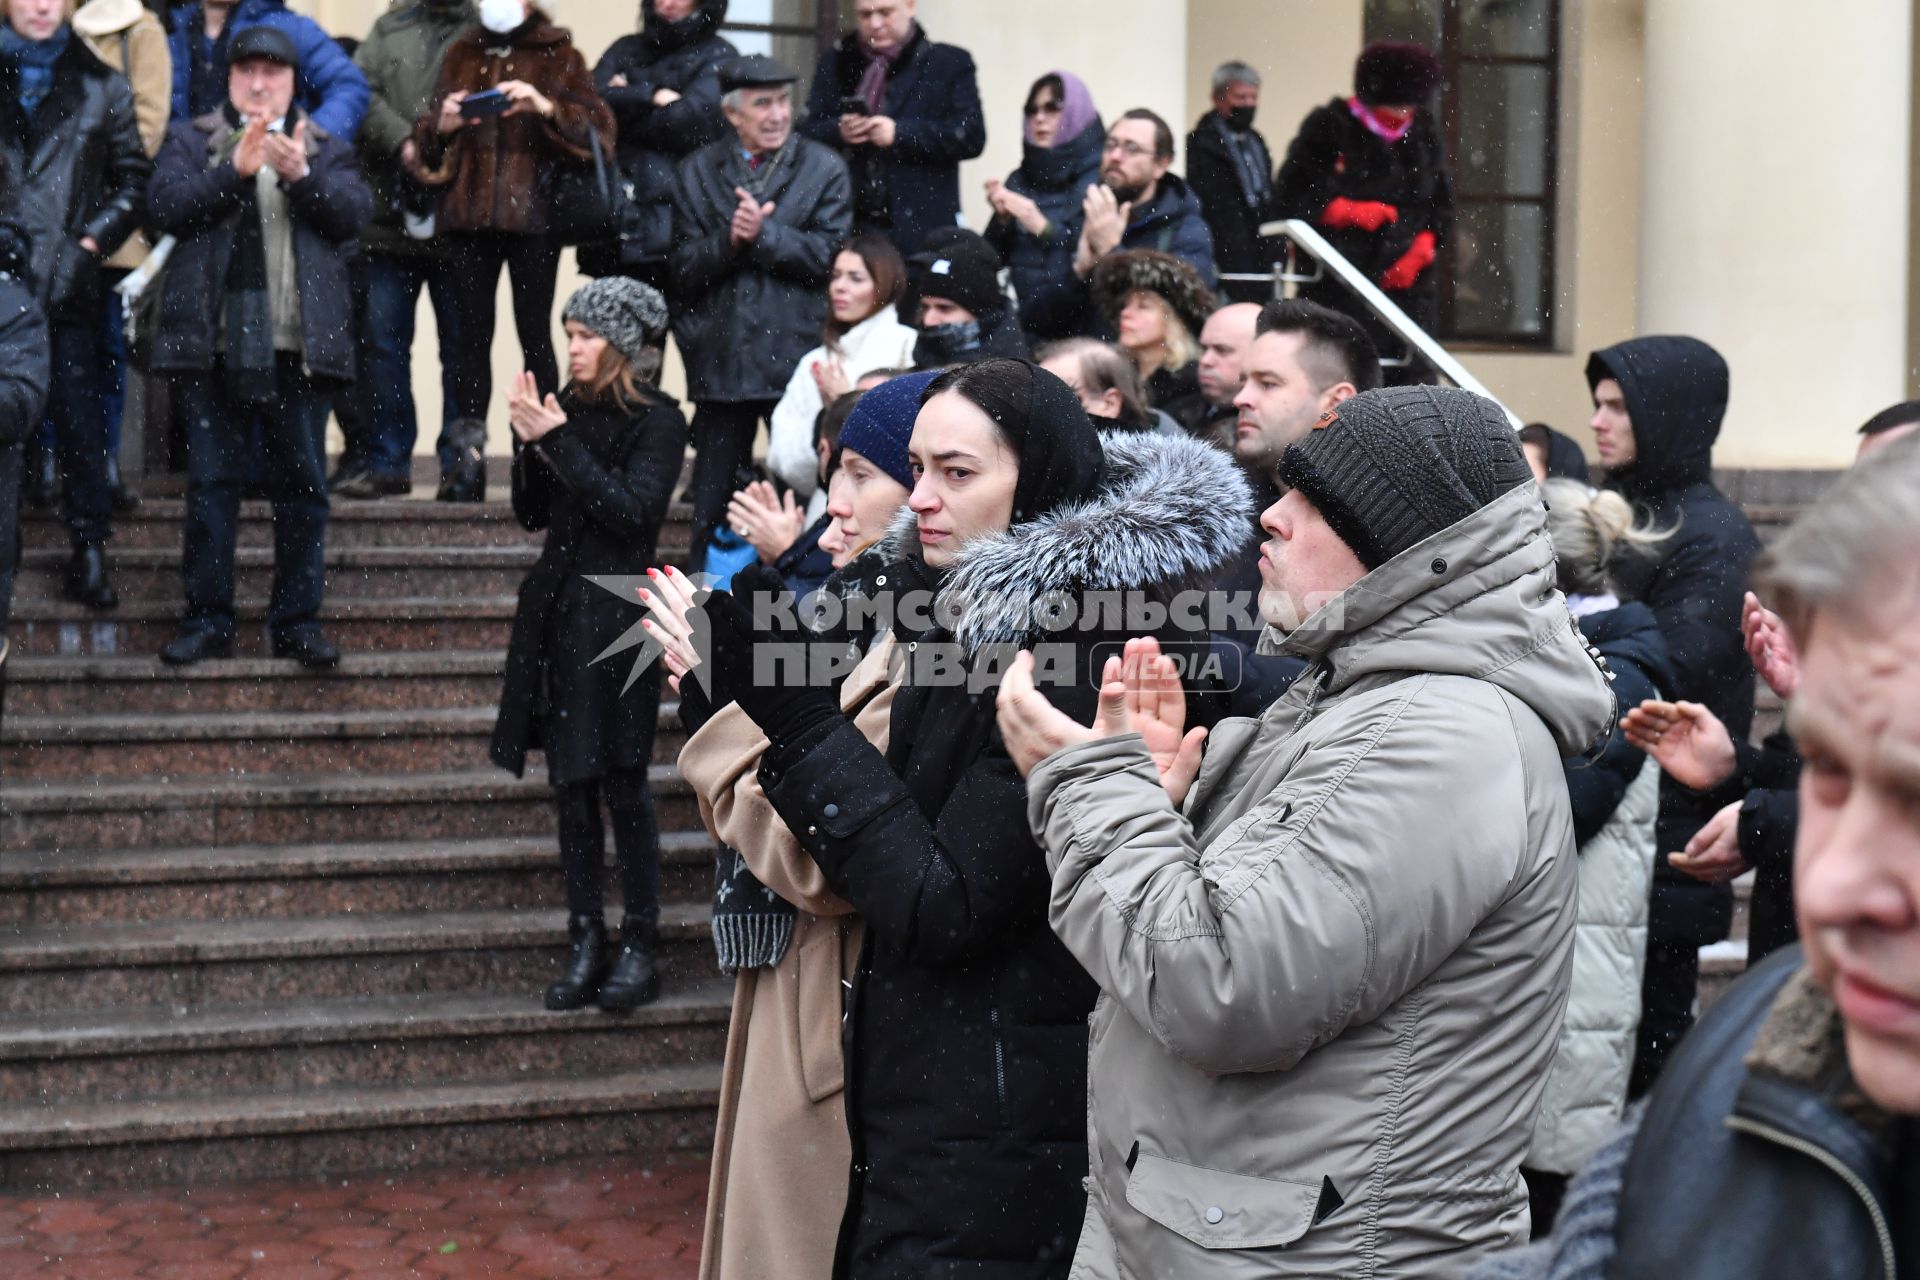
point(1218, 1210)
point(817, 1007)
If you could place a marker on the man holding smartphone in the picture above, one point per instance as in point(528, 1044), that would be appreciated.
point(904, 112)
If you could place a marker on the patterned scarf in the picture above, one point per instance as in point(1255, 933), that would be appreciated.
point(35, 58)
point(249, 359)
point(873, 81)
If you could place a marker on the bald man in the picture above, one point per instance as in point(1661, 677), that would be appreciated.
point(1223, 344)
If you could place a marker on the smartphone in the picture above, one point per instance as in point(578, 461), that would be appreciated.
point(488, 102)
point(854, 105)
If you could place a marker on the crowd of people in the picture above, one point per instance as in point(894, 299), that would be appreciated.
point(1183, 805)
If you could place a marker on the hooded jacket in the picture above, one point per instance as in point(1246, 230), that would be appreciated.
point(330, 87)
point(1332, 981)
point(1615, 799)
point(1056, 179)
point(401, 59)
point(1676, 396)
point(966, 1024)
point(1172, 222)
point(81, 171)
point(934, 101)
point(745, 316)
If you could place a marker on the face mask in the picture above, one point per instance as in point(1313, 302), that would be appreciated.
point(502, 16)
point(948, 343)
point(1240, 119)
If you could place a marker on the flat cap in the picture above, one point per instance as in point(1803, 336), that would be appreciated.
point(263, 41)
point(754, 71)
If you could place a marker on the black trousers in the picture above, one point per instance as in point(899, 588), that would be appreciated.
point(1667, 992)
point(636, 844)
point(533, 269)
point(723, 436)
point(77, 405)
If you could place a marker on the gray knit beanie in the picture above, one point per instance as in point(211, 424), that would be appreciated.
point(631, 316)
point(1393, 467)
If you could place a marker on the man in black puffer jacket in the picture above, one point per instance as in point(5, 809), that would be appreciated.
point(68, 132)
point(1658, 403)
point(663, 83)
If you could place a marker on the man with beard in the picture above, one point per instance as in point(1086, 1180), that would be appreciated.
point(1138, 204)
point(1231, 170)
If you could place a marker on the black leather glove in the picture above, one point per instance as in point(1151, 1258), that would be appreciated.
point(789, 708)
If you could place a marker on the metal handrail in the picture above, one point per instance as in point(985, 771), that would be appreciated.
point(1302, 235)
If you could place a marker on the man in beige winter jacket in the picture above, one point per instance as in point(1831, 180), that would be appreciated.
point(1334, 951)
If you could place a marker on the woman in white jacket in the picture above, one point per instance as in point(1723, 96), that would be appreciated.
point(863, 334)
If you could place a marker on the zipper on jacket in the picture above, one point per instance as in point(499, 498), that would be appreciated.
point(999, 1065)
point(1821, 1155)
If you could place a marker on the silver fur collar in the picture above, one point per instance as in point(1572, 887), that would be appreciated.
point(1171, 511)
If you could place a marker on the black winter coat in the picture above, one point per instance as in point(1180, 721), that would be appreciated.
point(745, 316)
point(80, 170)
point(24, 376)
point(599, 486)
point(198, 196)
point(1214, 175)
point(1765, 785)
point(1629, 639)
point(1676, 396)
point(682, 56)
point(912, 187)
point(1335, 155)
point(1056, 179)
point(1759, 1157)
point(966, 1032)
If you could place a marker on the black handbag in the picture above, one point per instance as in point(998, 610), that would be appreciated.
point(639, 249)
point(583, 200)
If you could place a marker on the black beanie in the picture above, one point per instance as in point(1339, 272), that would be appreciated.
point(961, 267)
point(1393, 467)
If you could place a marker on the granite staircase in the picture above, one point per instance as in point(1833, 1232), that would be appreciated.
point(259, 921)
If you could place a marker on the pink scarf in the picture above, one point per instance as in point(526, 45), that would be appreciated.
point(873, 81)
point(1375, 125)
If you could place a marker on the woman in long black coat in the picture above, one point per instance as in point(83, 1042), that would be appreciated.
point(594, 467)
point(966, 1034)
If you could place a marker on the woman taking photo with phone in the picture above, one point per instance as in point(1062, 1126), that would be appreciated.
point(595, 467)
point(966, 1028)
point(514, 105)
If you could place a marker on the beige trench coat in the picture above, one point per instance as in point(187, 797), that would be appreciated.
point(781, 1150)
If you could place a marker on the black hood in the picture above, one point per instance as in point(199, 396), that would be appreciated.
point(1676, 394)
point(1565, 461)
point(668, 37)
point(1630, 633)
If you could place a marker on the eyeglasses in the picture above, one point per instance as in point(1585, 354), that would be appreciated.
point(1043, 109)
point(1131, 150)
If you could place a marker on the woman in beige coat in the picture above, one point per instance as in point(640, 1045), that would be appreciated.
point(781, 1149)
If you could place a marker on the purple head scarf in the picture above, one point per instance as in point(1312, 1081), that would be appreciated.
point(1076, 108)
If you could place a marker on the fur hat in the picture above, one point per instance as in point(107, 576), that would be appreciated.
point(1395, 73)
point(1391, 468)
point(1147, 271)
point(631, 316)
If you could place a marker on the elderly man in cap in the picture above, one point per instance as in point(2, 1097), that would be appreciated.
point(757, 217)
point(1335, 949)
point(267, 207)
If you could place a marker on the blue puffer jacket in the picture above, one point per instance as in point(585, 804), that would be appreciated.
point(1056, 179)
point(331, 88)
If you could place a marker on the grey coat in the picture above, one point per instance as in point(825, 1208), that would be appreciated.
point(1333, 982)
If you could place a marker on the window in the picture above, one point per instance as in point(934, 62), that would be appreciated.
point(794, 31)
point(1500, 117)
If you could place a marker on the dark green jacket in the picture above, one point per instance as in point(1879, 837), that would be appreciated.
point(401, 59)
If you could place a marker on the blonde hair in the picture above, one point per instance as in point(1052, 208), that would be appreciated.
point(1182, 348)
point(1591, 530)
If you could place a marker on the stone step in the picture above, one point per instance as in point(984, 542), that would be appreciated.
point(203, 962)
point(142, 684)
point(304, 1045)
point(262, 882)
point(137, 628)
point(295, 809)
point(365, 572)
point(390, 522)
point(318, 1133)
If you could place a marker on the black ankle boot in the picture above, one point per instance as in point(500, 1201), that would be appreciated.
point(586, 966)
point(122, 498)
point(635, 979)
point(86, 579)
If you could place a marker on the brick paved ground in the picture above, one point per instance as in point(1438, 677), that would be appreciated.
point(617, 1219)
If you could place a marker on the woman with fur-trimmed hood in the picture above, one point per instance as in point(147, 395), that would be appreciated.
point(966, 1018)
point(1158, 304)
